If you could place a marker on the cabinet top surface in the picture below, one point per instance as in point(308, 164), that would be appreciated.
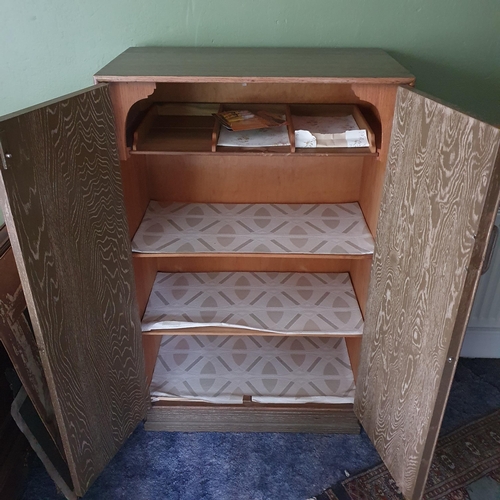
point(209, 64)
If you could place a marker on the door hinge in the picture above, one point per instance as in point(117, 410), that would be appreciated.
point(4, 157)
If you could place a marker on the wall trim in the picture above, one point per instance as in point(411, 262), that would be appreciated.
point(481, 343)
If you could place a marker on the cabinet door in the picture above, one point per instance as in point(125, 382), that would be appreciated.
point(61, 195)
point(440, 199)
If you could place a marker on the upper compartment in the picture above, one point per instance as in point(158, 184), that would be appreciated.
point(171, 128)
point(244, 75)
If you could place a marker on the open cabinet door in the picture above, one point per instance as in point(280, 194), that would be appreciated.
point(440, 199)
point(61, 195)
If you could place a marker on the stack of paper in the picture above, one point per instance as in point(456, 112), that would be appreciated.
point(328, 132)
point(260, 138)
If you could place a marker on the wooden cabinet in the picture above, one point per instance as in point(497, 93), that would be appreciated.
point(75, 195)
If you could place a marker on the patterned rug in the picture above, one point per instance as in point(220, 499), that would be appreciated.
point(466, 466)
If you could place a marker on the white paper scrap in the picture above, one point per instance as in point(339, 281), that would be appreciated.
point(304, 139)
point(356, 139)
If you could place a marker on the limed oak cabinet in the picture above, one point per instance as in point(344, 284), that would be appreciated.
point(78, 175)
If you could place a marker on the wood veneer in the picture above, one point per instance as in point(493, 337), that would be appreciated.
point(192, 64)
point(249, 179)
point(252, 262)
point(252, 417)
point(426, 265)
point(72, 251)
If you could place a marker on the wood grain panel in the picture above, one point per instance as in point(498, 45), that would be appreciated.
point(223, 330)
point(272, 93)
point(145, 274)
point(384, 97)
point(62, 199)
point(360, 272)
point(151, 345)
point(247, 179)
point(257, 262)
point(188, 64)
point(433, 221)
point(353, 345)
point(19, 342)
point(252, 417)
point(476, 264)
point(135, 191)
point(123, 96)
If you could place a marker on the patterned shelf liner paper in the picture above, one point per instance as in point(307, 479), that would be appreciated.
point(223, 369)
point(324, 229)
point(283, 303)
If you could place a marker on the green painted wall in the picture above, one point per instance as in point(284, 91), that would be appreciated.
point(53, 47)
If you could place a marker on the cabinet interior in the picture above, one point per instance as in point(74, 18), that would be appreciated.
point(173, 162)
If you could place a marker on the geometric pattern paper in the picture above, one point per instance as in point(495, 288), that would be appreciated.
point(223, 369)
point(253, 228)
point(287, 303)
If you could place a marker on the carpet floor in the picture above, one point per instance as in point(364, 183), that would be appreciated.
point(206, 466)
point(466, 465)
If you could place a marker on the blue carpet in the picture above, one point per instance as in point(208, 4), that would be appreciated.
point(206, 466)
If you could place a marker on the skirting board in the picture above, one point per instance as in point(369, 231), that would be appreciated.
point(481, 343)
point(327, 419)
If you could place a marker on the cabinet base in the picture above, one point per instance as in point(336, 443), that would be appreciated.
point(251, 417)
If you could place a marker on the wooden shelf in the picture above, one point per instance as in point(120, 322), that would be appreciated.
point(176, 128)
point(272, 370)
point(332, 111)
point(279, 151)
point(280, 229)
point(180, 128)
point(179, 416)
point(284, 132)
point(262, 304)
